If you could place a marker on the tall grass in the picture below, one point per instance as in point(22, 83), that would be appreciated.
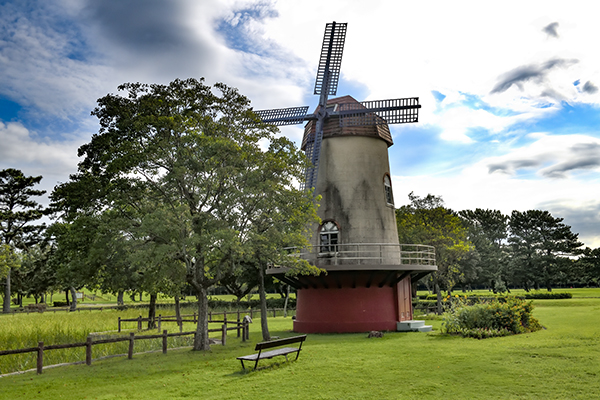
point(26, 330)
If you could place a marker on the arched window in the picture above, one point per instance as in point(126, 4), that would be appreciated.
point(387, 185)
point(328, 237)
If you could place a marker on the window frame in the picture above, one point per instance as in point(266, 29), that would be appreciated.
point(331, 230)
point(387, 190)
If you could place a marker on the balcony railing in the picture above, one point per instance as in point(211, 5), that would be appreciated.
point(367, 254)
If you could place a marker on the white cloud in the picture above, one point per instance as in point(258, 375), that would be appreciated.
point(35, 156)
point(525, 182)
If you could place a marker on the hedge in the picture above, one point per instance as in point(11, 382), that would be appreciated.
point(490, 318)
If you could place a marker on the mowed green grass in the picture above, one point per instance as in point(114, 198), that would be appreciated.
point(562, 361)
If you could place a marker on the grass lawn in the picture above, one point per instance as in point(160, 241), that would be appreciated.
point(562, 361)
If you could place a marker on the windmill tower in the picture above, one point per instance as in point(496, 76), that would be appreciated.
point(368, 281)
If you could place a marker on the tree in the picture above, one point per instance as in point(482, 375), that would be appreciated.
point(427, 221)
point(541, 246)
point(17, 212)
point(36, 276)
point(70, 260)
point(8, 260)
point(180, 162)
point(588, 267)
point(488, 231)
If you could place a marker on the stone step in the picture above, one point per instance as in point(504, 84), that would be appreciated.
point(412, 326)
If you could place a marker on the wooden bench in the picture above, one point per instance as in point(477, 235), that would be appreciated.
point(273, 353)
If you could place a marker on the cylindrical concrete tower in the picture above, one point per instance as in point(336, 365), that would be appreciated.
point(367, 284)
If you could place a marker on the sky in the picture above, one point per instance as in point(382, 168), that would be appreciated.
point(510, 116)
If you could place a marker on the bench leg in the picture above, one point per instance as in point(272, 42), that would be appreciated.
point(244, 368)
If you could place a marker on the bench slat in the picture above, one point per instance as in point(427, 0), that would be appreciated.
point(284, 351)
point(270, 354)
point(279, 342)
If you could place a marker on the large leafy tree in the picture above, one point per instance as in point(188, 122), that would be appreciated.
point(541, 247)
point(71, 258)
point(18, 212)
point(180, 163)
point(587, 267)
point(488, 231)
point(426, 221)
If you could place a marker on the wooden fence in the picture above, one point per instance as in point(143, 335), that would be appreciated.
point(194, 318)
point(132, 338)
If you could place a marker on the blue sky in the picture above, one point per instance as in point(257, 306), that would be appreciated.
point(510, 101)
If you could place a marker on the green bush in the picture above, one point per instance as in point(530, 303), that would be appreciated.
point(490, 318)
point(548, 295)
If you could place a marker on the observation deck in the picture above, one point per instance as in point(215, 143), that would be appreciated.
point(388, 263)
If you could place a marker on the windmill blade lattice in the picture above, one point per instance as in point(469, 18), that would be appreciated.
point(391, 111)
point(283, 116)
point(379, 112)
point(328, 73)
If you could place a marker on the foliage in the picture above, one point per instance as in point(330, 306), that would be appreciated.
point(547, 295)
point(184, 170)
point(489, 318)
point(488, 230)
point(541, 246)
point(8, 260)
point(427, 221)
point(17, 212)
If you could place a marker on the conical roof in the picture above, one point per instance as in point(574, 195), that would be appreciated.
point(332, 126)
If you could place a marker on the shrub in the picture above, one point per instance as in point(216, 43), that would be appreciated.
point(490, 318)
point(548, 295)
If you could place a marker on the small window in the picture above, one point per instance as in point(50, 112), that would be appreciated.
point(387, 185)
point(328, 237)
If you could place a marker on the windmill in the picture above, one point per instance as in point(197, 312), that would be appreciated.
point(378, 112)
point(369, 274)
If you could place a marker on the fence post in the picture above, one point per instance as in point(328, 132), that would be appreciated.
point(140, 323)
point(251, 316)
point(195, 317)
point(224, 334)
point(88, 351)
point(238, 323)
point(40, 357)
point(131, 340)
point(119, 324)
point(274, 311)
point(159, 321)
point(164, 340)
point(225, 317)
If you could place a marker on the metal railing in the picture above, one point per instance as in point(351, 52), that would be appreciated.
point(367, 253)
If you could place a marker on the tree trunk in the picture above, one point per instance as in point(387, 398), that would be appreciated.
point(439, 299)
point(201, 338)
point(141, 294)
point(6, 303)
point(264, 325)
point(120, 295)
point(67, 297)
point(152, 312)
point(74, 299)
point(285, 303)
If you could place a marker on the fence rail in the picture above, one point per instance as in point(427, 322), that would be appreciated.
point(41, 348)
